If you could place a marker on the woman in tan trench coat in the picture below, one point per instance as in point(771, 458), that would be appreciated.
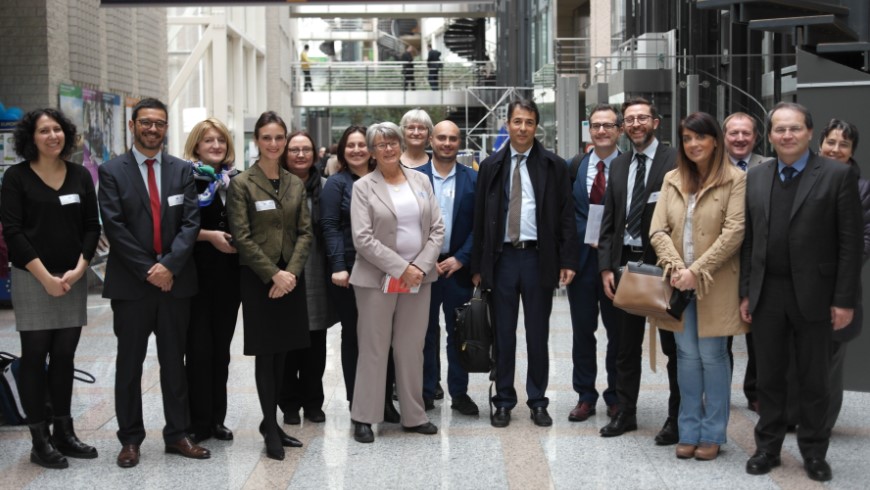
point(697, 230)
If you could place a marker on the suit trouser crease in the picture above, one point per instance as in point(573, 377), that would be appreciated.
point(447, 294)
point(134, 321)
point(397, 320)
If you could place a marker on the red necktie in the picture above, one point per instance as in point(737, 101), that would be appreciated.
point(155, 205)
point(598, 185)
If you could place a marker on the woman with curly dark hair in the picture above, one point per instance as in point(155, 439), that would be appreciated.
point(48, 208)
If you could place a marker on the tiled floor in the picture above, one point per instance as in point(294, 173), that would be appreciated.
point(466, 453)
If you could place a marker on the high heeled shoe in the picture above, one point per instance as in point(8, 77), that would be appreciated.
point(274, 446)
point(286, 440)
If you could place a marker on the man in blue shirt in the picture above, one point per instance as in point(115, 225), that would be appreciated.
point(454, 187)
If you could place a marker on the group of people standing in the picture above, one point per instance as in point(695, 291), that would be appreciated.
point(768, 245)
point(397, 234)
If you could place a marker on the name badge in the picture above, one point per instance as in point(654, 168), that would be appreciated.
point(175, 200)
point(70, 199)
point(653, 197)
point(265, 205)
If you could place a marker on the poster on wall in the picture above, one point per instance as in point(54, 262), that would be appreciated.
point(99, 118)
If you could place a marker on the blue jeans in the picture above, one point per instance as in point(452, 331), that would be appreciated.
point(704, 375)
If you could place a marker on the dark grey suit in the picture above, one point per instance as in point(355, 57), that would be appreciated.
point(824, 245)
point(140, 307)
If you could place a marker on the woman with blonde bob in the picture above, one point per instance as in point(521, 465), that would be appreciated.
point(696, 230)
point(215, 308)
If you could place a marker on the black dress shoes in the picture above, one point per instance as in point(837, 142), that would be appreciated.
point(619, 425)
point(391, 415)
point(439, 392)
point(363, 432)
point(221, 433)
point(316, 415)
point(428, 404)
point(669, 434)
point(428, 429)
point(292, 417)
point(761, 463)
point(464, 405)
point(540, 417)
point(501, 417)
point(817, 469)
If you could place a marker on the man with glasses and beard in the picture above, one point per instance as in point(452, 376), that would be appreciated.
point(632, 192)
point(150, 213)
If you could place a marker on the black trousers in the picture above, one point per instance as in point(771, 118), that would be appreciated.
point(134, 321)
point(778, 328)
point(303, 376)
point(629, 359)
point(750, 379)
point(213, 315)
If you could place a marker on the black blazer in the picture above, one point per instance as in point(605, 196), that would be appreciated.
point(825, 237)
point(558, 246)
point(126, 212)
point(612, 233)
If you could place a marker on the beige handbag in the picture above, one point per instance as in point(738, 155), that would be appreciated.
point(642, 291)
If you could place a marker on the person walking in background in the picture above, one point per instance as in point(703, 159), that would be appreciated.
point(354, 161)
point(696, 232)
point(397, 232)
point(48, 208)
point(271, 228)
point(408, 68)
point(433, 62)
point(149, 207)
point(303, 377)
point(305, 64)
point(215, 308)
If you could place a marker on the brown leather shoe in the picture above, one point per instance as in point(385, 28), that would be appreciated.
point(686, 451)
point(581, 412)
point(129, 456)
point(188, 449)
point(707, 451)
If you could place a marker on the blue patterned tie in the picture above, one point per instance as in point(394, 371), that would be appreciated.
point(788, 173)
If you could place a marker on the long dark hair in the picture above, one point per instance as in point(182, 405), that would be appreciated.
point(268, 117)
point(692, 180)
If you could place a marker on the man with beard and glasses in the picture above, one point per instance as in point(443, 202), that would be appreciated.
point(150, 213)
point(632, 191)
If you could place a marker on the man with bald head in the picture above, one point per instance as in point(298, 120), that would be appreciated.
point(454, 188)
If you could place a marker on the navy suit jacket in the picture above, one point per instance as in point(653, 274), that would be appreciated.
point(463, 211)
point(581, 206)
point(126, 212)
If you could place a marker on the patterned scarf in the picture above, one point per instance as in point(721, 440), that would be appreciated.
point(216, 180)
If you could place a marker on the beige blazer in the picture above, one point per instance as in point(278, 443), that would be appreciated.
point(717, 233)
point(373, 222)
point(267, 225)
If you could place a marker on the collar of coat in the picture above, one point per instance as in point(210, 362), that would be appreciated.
point(673, 179)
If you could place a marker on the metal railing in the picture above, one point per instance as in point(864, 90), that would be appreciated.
point(391, 75)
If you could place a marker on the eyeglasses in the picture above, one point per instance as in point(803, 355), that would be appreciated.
point(600, 126)
point(300, 151)
point(391, 145)
point(417, 129)
point(642, 119)
point(781, 130)
point(148, 124)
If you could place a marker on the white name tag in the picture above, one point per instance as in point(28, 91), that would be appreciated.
point(70, 199)
point(265, 205)
point(175, 200)
point(653, 197)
